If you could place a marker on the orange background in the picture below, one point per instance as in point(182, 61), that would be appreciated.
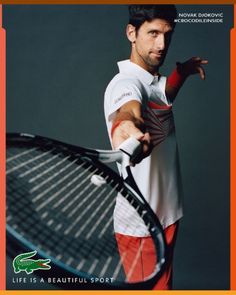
point(117, 1)
point(2, 150)
point(2, 154)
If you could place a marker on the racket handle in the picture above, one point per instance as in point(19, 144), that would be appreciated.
point(131, 147)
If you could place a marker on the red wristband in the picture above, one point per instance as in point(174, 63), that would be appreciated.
point(176, 79)
point(114, 126)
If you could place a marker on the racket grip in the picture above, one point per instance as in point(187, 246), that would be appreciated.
point(130, 146)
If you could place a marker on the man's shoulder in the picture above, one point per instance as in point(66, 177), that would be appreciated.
point(121, 79)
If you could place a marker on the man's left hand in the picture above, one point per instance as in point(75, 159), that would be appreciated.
point(192, 66)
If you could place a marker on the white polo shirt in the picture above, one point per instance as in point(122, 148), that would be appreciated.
point(158, 175)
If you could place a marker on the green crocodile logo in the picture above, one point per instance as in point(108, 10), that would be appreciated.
point(22, 263)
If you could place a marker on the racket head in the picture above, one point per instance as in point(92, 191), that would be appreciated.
point(60, 202)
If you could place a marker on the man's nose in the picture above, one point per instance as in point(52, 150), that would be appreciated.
point(160, 42)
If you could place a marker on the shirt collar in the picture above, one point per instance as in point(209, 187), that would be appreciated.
point(128, 67)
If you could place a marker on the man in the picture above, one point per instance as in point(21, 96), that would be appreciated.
point(138, 102)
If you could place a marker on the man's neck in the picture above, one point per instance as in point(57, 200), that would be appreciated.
point(140, 62)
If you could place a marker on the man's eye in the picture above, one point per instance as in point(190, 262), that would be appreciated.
point(153, 33)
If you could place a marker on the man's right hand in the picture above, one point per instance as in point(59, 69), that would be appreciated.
point(127, 129)
point(130, 123)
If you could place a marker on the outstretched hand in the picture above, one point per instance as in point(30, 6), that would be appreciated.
point(192, 66)
point(128, 128)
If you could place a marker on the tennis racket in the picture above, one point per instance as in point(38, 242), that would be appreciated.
point(61, 201)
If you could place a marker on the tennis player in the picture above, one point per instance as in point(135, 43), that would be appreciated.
point(138, 102)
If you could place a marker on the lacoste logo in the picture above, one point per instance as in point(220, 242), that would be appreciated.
point(22, 263)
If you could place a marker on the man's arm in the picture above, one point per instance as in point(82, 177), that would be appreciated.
point(129, 122)
point(181, 73)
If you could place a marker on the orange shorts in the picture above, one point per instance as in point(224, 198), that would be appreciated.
point(139, 257)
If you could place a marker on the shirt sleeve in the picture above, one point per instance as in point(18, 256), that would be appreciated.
point(123, 91)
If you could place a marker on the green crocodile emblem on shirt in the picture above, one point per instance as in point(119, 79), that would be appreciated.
point(22, 263)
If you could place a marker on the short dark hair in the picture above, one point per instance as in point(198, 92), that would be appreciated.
point(138, 14)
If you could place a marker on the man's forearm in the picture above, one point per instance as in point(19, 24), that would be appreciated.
point(173, 84)
point(127, 119)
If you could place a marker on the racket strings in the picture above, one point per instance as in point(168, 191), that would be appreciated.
point(30, 160)
point(23, 164)
point(62, 189)
point(63, 212)
point(57, 203)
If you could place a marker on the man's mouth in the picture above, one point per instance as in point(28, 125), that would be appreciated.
point(157, 54)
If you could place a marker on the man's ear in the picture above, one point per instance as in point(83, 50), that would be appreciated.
point(131, 33)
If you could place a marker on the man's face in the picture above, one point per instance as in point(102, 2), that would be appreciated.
point(150, 43)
